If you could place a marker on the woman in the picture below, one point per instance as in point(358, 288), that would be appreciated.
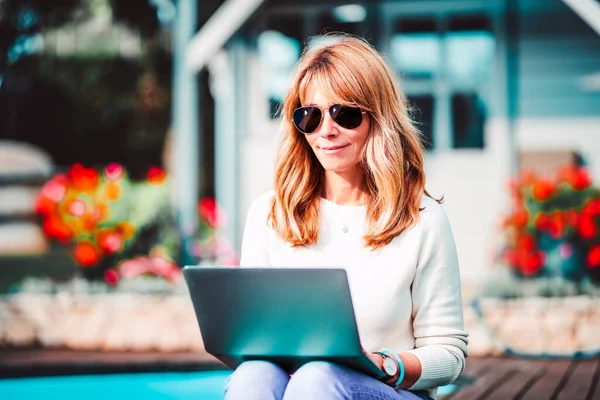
point(349, 191)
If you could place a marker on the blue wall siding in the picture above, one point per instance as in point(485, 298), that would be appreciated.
point(556, 49)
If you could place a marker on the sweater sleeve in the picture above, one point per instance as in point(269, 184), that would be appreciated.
point(440, 338)
point(254, 251)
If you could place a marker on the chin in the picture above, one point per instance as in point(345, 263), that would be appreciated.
point(336, 167)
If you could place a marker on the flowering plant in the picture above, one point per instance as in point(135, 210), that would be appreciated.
point(552, 229)
point(117, 228)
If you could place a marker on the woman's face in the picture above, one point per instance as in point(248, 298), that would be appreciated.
point(338, 149)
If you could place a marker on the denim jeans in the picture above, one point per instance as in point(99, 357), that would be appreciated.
point(317, 380)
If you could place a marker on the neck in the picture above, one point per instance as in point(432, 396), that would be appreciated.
point(345, 189)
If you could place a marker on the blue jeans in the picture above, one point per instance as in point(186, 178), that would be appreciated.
point(317, 380)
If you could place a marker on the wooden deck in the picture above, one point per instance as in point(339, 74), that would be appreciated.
point(514, 379)
point(483, 379)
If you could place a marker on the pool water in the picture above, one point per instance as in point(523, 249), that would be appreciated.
point(204, 385)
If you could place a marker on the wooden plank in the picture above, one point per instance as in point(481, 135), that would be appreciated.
point(525, 373)
point(579, 384)
point(549, 384)
point(475, 368)
point(595, 389)
point(501, 369)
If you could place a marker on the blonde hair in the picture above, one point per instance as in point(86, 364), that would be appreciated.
point(350, 72)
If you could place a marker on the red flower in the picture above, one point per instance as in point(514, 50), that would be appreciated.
point(54, 227)
point(113, 171)
point(56, 188)
point(86, 254)
point(556, 226)
point(593, 258)
point(44, 205)
point(209, 211)
point(541, 221)
point(111, 277)
point(581, 179)
point(531, 263)
point(591, 207)
point(571, 218)
point(156, 175)
point(89, 222)
point(76, 208)
point(586, 227)
point(110, 242)
point(51, 194)
point(520, 218)
point(576, 177)
point(525, 243)
point(543, 189)
point(84, 179)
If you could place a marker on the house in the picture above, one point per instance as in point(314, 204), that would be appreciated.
point(490, 82)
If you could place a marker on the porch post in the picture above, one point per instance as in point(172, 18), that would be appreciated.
point(186, 132)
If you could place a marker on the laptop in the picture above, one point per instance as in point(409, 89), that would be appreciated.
point(284, 315)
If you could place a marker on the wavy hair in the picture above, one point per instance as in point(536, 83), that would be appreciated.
point(350, 72)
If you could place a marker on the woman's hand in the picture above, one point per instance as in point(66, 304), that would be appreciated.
point(376, 358)
point(412, 367)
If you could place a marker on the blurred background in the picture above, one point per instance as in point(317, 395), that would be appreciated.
point(135, 134)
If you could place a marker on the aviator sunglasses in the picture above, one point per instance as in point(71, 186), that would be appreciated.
point(307, 119)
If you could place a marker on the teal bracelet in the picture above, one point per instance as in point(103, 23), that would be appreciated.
point(400, 364)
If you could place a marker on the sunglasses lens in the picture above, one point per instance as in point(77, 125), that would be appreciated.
point(307, 119)
point(346, 117)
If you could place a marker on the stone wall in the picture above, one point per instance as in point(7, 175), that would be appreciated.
point(535, 326)
point(151, 322)
point(111, 322)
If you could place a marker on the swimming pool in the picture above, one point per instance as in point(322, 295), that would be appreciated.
point(200, 385)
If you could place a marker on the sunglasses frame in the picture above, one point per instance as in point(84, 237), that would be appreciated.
point(323, 111)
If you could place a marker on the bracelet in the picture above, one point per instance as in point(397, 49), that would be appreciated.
point(400, 364)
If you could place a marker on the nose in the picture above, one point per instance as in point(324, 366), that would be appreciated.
point(328, 126)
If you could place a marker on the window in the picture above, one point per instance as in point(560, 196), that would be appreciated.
point(468, 118)
point(470, 45)
point(278, 51)
point(444, 64)
point(415, 48)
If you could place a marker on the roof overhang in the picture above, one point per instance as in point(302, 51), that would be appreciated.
point(215, 33)
point(588, 10)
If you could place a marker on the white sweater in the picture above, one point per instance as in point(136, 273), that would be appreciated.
point(406, 296)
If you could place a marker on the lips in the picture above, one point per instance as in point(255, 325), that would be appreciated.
point(333, 149)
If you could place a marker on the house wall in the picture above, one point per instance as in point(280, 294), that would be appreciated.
point(555, 112)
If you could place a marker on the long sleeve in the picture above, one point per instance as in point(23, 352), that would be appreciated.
point(256, 234)
point(440, 338)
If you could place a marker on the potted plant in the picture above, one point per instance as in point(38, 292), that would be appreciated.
point(553, 228)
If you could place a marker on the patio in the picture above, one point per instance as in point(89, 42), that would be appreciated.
point(512, 379)
point(484, 378)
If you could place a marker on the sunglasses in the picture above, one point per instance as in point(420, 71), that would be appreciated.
point(308, 119)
